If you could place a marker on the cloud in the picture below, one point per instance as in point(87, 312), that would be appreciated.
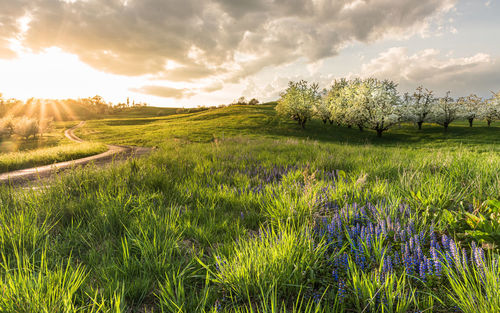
point(140, 37)
point(163, 91)
point(476, 73)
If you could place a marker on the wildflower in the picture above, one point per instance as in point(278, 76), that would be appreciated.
point(335, 275)
point(422, 270)
point(464, 258)
point(445, 240)
point(341, 291)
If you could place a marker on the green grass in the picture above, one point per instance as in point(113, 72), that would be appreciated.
point(228, 214)
point(52, 138)
point(52, 147)
point(261, 120)
point(25, 159)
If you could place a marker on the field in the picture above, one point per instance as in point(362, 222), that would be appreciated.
point(239, 211)
point(50, 148)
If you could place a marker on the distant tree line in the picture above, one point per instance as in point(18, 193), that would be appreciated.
point(376, 104)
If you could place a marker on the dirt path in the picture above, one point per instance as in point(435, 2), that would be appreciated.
point(114, 152)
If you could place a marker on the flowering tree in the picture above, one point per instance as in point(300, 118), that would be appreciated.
point(490, 110)
point(322, 109)
point(298, 101)
point(338, 99)
point(26, 127)
point(375, 104)
point(470, 107)
point(418, 105)
point(6, 126)
point(445, 110)
point(356, 95)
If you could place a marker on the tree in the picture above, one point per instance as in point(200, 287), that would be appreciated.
point(26, 127)
point(253, 101)
point(338, 99)
point(445, 110)
point(470, 107)
point(98, 104)
point(376, 105)
point(418, 105)
point(322, 109)
point(240, 101)
point(490, 110)
point(298, 100)
point(6, 126)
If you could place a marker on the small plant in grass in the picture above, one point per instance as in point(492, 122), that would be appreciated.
point(284, 259)
point(29, 284)
point(375, 292)
point(474, 281)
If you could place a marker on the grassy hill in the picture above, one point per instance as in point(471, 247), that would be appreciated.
point(261, 120)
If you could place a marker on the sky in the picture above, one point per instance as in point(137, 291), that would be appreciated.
point(185, 53)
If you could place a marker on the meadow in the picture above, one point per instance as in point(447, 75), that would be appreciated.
point(51, 147)
point(240, 211)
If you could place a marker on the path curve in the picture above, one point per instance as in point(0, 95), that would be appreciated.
point(35, 173)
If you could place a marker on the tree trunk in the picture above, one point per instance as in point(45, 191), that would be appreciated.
point(324, 121)
point(379, 132)
point(349, 126)
point(303, 124)
point(445, 126)
point(419, 125)
point(331, 122)
point(360, 128)
point(470, 122)
point(489, 122)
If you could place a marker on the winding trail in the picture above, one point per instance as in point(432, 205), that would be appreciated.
point(36, 173)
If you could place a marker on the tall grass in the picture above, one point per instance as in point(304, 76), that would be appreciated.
point(24, 159)
point(246, 225)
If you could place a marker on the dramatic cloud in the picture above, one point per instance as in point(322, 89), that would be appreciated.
point(477, 73)
point(223, 39)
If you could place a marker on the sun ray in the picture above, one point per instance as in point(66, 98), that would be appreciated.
point(31, 107)
point(67, 109)
point(55, 110)
point(17, 107)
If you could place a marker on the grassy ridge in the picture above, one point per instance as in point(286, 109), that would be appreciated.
point(206, 227)
point(261, 120)
point(25, 159)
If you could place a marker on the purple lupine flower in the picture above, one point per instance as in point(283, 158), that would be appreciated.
point(422, 270)
point(453, 251)
point(335, 275)
point(445, 241)
point(479, 257)
point(428, 263)
point(465, 262)
point(341, 291)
